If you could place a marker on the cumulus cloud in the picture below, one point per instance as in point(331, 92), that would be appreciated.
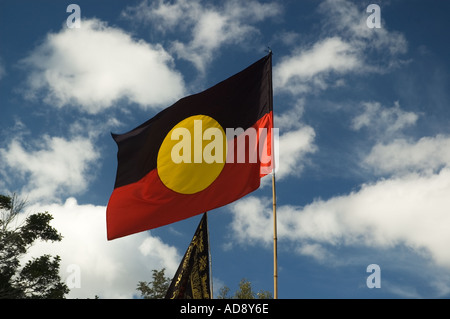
point(408, 208)
point(384, 122)
point(294, 146)
point(90, 264)
point(251, 220)
point(411, 210)
point(345, 49)
point(349, 19)
point(95, 66)
point(290, 118)
point(427, 155)
point(307, 68)
point(51, 167)
point(405, 210)
point(209, 26)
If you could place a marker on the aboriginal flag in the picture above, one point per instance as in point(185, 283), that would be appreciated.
point(192, 279)
point(205, 151)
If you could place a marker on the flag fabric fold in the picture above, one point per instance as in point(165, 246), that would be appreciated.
point(192, 279)
point(203, 152)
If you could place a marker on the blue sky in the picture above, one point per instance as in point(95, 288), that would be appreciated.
point(364, 172)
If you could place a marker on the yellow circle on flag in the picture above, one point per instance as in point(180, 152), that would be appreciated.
point(192, 154)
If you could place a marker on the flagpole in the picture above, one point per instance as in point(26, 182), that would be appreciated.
point(275, 240)
point(210, 261)
point(274, 199)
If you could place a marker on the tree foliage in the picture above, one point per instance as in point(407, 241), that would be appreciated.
point(245, 291)
point(39, 277)
point(157, 288)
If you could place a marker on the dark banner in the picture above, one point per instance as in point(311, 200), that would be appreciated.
point(192, 281)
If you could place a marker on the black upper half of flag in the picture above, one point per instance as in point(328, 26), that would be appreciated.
point(237, 102)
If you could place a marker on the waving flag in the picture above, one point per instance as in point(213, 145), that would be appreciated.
point(205, 151)
point(192, 279)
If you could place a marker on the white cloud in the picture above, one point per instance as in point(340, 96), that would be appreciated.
point(349, 19)
point(52, 167)
point(95, 66)
point(314, 250)
point(109, 269)
point(384, 121)
point(410, 211)
point(294, 146)
point(346, 48)
point(427, 155)
point(308, 68)
point(295, 143)
point(293, 149)
point(290, 118)
point(251, 220)
point(209, 26)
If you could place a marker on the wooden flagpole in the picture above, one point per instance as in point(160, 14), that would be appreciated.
point(275, 239)
point(210, 260)
point(274, 198)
